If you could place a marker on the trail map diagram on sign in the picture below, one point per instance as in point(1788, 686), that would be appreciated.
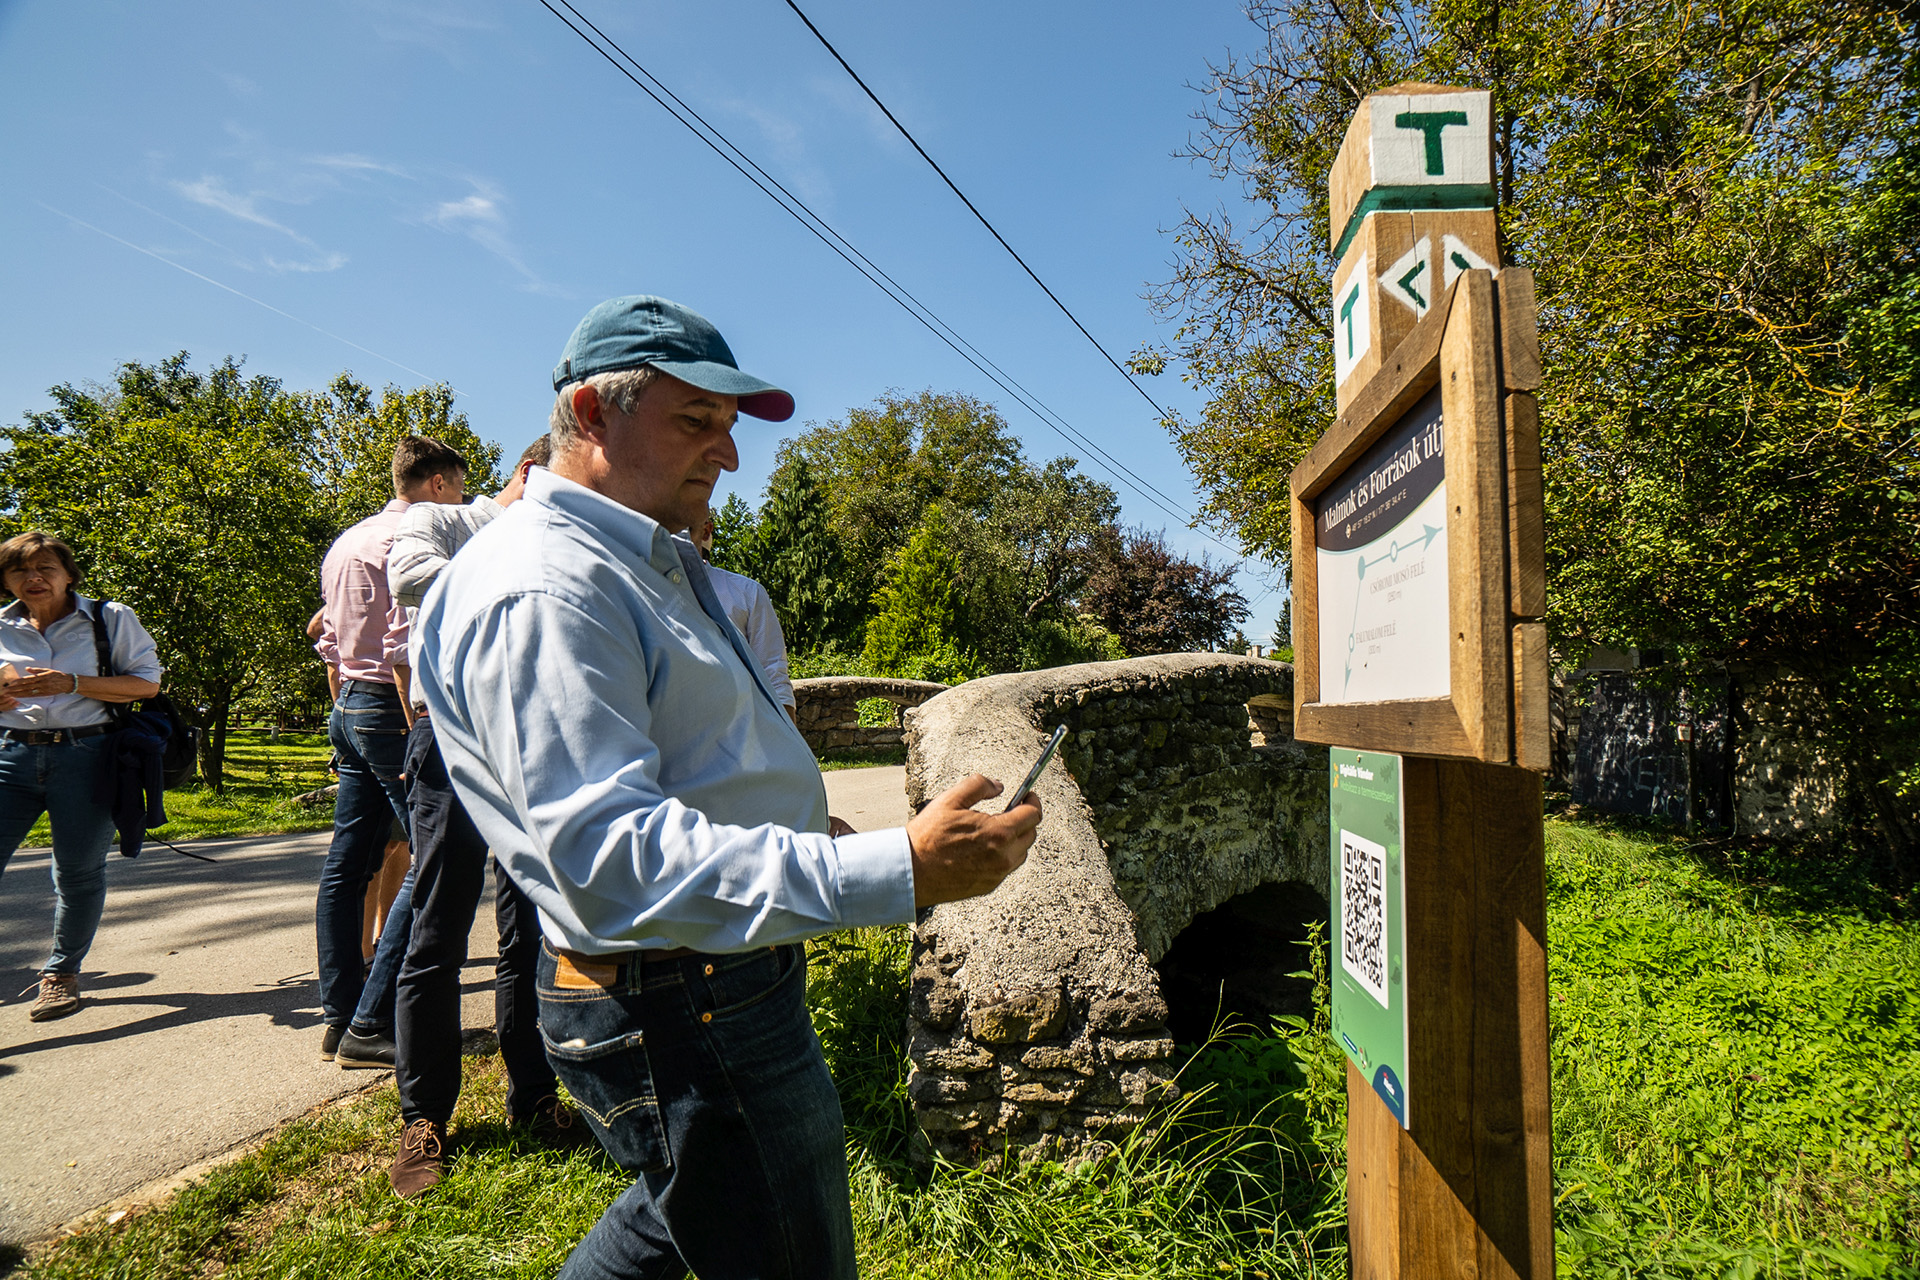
point(1381, 548)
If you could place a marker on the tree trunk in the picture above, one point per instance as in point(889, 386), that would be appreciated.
point(213, 737)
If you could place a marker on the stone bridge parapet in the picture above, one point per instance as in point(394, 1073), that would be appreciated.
point(828, 709)
point(1036, 1018)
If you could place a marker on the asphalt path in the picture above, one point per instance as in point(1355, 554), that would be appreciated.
point(201, 1024)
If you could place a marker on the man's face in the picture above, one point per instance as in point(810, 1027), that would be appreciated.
point(703, 535)
point(664, 458)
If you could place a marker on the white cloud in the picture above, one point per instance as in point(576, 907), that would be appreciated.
point(212, 192)
point(326, 262)
point(789, 159)
point(479, 216)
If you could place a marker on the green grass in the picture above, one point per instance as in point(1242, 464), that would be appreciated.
point(859, 757)
point(1736, 1065)
point(262, 778)
point(1736, 1049)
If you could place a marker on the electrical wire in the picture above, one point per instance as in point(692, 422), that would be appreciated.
point(722, 146)
point(991, 229)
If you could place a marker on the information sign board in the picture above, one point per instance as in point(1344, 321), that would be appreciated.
point(1369, 921)
point(1380, 540)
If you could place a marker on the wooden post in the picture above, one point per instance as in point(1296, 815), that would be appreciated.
point(1466, 1190)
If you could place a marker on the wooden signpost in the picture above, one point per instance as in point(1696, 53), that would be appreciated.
point(1419, 583)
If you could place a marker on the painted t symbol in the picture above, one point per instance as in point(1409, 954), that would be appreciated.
point(1346, 317)
point(1430, 123)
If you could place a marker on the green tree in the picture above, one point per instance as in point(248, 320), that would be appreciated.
point(734, 536)
point(350, 452)
point(915, 631)
point(1719, 203)
point(883, 465)
point(1049, 522)
point(796, 557)
point(185, 498)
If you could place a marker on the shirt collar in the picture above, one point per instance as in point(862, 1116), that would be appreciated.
point(638, 534)
point(16, 610)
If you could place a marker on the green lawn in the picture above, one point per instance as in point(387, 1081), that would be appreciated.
point(1736, 1087)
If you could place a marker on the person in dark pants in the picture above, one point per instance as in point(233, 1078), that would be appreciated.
point(449, 873)
point(363, 640)
point(614, 739)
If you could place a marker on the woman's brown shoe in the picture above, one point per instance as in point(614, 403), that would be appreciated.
point(422, 1159)
point(59, 996)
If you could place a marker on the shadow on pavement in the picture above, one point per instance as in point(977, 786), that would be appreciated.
point(290, 1002)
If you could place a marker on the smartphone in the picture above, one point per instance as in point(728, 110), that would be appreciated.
point(1033, 774)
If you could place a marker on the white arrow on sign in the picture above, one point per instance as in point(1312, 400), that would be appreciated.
point(1410, 280)
point(1456, 257)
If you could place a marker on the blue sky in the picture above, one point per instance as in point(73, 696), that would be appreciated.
point(438, 191)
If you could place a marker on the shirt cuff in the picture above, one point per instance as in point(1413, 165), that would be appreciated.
point(876, 878)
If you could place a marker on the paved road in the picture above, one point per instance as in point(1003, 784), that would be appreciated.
point(201, 1025)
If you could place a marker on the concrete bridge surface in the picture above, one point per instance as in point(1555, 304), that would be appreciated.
point(201, 1024)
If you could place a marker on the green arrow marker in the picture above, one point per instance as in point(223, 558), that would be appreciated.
point(1406, 283)
point(1460, 262)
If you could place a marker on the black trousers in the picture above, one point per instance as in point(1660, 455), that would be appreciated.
point(449, 873)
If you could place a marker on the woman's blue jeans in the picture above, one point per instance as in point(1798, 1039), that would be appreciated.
point(702, 1075)
point(58, 778)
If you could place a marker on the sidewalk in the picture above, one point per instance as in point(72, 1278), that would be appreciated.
point(200, 1027)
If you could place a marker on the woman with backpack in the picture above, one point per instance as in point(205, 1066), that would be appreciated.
point(54, 724)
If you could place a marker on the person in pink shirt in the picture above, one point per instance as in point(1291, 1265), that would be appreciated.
point(363, 638)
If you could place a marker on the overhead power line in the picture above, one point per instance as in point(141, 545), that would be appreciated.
point(721, 145)
point(971, 208)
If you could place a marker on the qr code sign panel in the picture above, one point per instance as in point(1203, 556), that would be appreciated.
point(1363, 913)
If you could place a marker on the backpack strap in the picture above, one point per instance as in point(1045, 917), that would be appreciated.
point(103, 657)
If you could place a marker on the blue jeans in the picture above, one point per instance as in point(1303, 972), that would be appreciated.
point(702, 1075)
point(448, 876)
point(373, 1016)
point(58, 778)
point(369, 736)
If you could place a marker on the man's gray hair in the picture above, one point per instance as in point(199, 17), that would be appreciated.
point(621, 388)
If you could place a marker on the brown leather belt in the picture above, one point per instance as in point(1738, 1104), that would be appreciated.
point(50, 737)
point(624, 957)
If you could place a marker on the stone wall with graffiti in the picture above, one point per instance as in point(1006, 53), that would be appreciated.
point(1747, 754)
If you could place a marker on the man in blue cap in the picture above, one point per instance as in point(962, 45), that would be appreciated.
point(614, 740)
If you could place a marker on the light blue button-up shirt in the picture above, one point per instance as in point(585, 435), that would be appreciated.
point(68, 645)
point(614, 741)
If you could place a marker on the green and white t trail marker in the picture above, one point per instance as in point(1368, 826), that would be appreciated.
point(1369, 921)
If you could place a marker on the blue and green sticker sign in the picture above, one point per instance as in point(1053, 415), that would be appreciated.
point(1369, 920)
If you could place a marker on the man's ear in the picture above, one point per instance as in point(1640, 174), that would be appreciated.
point(523, 470)
point(589, 413)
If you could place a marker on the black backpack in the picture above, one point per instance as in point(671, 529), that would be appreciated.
point(181, 756)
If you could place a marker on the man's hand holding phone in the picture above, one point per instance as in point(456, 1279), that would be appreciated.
point(960, 853)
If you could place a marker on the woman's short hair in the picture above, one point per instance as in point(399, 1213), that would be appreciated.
point(16, 552)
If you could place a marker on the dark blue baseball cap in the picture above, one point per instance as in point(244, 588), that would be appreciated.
point(626, 333)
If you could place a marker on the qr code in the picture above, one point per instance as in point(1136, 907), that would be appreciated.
point(1363, 913)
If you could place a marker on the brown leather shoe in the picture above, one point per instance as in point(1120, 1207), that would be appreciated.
point(59, 996)
point(555, 1124)
point(422, 1159)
